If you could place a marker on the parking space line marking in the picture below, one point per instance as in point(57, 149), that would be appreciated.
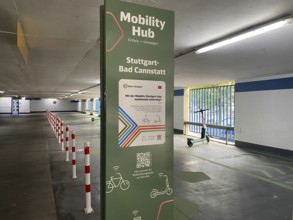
point(248, 173)
point(274, 168)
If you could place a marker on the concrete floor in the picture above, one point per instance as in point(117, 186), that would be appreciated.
point(212, 182)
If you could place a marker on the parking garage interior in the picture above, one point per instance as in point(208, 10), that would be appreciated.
point(243, 172)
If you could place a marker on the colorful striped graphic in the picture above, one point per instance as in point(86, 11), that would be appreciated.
point(129, 126)
point(131, 130)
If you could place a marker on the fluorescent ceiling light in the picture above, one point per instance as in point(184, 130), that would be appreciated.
point(1, 91)
point(253, 32)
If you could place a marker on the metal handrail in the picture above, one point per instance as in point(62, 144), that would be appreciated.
point(226, 128)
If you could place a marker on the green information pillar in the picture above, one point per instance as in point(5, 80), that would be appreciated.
point(137, 84)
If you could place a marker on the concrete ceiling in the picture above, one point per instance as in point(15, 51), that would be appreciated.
point(63, 44)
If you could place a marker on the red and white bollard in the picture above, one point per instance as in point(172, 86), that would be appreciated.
point(56, 126)
point(52, 120)
point(62, 136)
point(67, 144)
point(73, 155)
point(88, 208)
point(59, 131)
point(48, 116)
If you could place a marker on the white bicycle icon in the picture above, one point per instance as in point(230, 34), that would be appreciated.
point(115, 182)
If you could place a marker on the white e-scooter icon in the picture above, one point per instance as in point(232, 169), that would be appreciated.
point(167, 191)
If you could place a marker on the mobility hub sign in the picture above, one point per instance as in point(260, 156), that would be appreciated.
point(137, 78)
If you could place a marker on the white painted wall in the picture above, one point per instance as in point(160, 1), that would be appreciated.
point(265, 118)
point(81, 106)
point(24, 106)
point(52, 105)
point(178, 112)
point(5, 105)
point(179, 109)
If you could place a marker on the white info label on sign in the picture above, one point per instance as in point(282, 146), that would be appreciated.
point(141, 112)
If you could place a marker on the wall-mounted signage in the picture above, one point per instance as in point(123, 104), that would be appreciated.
point(15, 107)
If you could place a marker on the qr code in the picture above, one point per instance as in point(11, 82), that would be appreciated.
point(143, 160)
